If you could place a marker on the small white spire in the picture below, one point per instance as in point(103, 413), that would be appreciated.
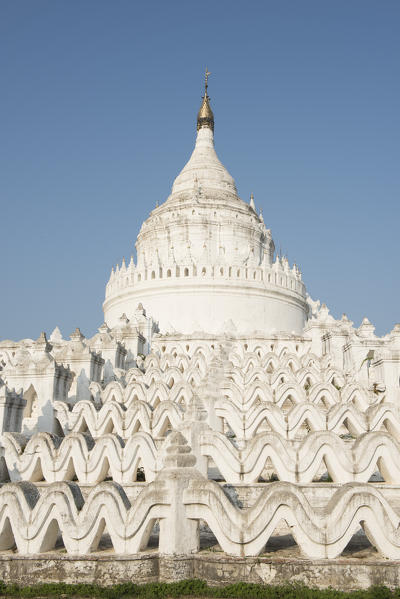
point(366, 329)
point(56, 335)
point(252, 205)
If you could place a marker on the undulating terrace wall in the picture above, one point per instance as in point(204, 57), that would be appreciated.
point(180, 498)
point(183, 419)
point(90, 461)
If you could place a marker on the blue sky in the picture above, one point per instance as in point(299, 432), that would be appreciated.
point(97, 116)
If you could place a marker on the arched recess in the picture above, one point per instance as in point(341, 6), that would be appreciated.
point(58, 429)
point(51, 537)
point(30, 397)
point(7, 539)
point(166, 427)
point(4, 473)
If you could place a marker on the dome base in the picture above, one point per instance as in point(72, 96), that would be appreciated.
point(213, 308)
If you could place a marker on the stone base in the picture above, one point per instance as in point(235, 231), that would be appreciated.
point(344, 574)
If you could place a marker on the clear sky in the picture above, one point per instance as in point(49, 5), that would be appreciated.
point(98, 109)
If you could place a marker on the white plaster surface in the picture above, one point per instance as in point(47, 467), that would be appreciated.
point(217, 405)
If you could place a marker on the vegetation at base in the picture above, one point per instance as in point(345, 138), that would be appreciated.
point(190, 588)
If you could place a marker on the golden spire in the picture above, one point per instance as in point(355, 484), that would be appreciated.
point(205, 117)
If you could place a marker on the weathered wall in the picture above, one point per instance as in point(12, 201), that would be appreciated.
point(345, 574)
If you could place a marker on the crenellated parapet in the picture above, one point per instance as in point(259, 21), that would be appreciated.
point(277, 275)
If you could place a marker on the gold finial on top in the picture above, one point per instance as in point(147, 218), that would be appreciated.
point(205, 117)
point(206, 78)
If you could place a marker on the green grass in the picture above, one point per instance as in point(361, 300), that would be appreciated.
point(191, 588)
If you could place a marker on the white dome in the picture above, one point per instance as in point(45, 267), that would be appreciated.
point(205, 258)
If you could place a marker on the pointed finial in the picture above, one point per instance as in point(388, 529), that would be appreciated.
point(252, 204)
point(56, 335)
point(205, 117)
point(77, 335)
point(42, 344)
point(207, 74)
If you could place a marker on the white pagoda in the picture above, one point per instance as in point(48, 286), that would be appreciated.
point(219, 425)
